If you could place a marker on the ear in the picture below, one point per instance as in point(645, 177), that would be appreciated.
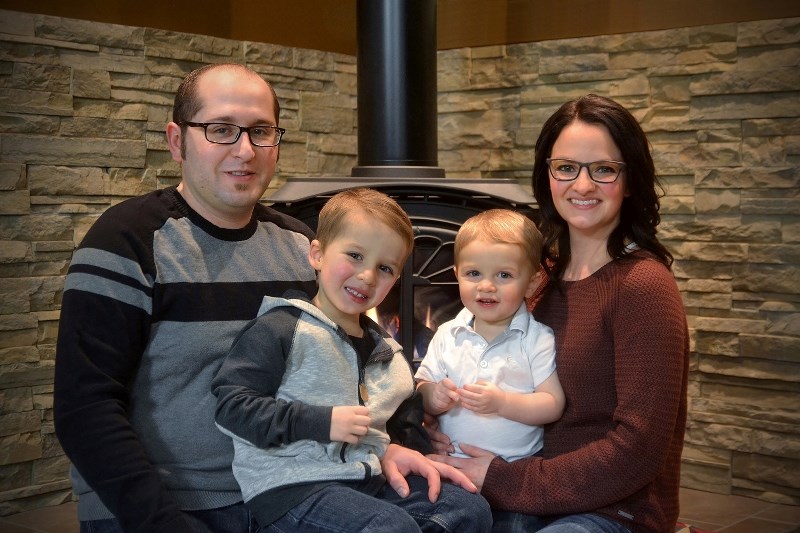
point(533, 283)
point(174, 136)
point(315, 255)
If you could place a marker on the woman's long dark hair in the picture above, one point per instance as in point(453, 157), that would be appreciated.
point(639, 215)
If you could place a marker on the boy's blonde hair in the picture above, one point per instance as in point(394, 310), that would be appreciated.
point(374, 204)
point(501, 226)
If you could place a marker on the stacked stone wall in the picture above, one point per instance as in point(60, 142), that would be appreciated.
point(83, 107)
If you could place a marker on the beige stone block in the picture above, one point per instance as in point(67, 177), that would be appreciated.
point(12, 176)
point(750, 368)
point(761, 58)
point(15, 400)
point(747, 178)
point(769, 32)
point(40, 77)
point(573, 63)
point(746, 81)
point(36, 102)
point(768, 278)
point(57, 180)
point(35, 497)
point(781, 396)
point(760, 468)
point(706, 300)
point(328, 119)
point(770, 206)
point(774, 347)
point(729, 325)
point(26, 375)
point(81, 152)
point(14, 251)
point(717, 201)
point(114, 110)
point(50, 469)
point(101, 127)
point(15, 423)
point(717, 343)
point(771, 127)
point(786, 254)
point(757, 415)
point(711, 251)
point(20, 448)
point(75, 30)
point(761, 105)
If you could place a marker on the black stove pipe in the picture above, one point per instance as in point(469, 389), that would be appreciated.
point(397, 111)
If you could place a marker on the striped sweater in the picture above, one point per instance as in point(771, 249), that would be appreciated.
point(153, 299)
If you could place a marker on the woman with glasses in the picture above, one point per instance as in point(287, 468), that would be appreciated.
point(612, 462)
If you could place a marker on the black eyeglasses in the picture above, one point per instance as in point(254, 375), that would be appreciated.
point(599, 171)
point(222, 133)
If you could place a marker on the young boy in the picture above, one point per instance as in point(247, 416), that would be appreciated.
point(489, 374)
point(308, 389)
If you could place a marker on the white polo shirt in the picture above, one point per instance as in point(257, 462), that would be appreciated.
point(517, 360)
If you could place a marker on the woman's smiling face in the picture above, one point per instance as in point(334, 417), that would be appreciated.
point(589, 208)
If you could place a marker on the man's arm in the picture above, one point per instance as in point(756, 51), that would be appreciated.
point(102, 334)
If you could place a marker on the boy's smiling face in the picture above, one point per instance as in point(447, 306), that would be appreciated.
point(357, 268)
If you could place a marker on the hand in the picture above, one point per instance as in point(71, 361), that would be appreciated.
point(349, 423)
point(474, 468)
point(445, 395)
point(440, 442)
point(483, 397)
point(399, 462)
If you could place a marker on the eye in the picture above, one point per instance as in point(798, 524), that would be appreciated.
point(504, 275)
point(603, 168)
point(472, 274)
point(386, 269)
point(261, 131)
point(566, 167)
point(223, 130)
point(355, 255)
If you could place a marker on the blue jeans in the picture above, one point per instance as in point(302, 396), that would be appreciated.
point(232, 519)
point(507, 522)
point(342, 509)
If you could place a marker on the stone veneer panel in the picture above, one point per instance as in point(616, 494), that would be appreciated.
point(83, 107)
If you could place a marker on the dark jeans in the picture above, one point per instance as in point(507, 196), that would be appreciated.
point(342, 509)
point(231, 519)
point(507, 522)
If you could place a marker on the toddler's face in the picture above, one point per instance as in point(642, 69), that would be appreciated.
point(493, 280)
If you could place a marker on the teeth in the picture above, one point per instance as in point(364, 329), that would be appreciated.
point(356, 293)
point(583, 202)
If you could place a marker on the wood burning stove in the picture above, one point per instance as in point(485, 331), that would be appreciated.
point(397, 154)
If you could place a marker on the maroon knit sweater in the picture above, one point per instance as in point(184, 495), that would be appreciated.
point(622, 349)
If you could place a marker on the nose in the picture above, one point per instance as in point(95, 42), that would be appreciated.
point(486, 285)
point(367, 276)
point(583, 183)
point(243, 148)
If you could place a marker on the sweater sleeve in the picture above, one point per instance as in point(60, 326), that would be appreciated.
point(248, 380)
point(105, 320)
point(648, 325)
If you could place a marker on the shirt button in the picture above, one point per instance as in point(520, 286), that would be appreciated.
point(484, 364)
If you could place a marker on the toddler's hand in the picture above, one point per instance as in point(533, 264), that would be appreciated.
point(349, 423)
point(482, 397)
point(445, 395)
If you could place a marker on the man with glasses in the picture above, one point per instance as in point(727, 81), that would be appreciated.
point(154, 297)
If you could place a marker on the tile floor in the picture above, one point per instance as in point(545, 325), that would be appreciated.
point(713, 512)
